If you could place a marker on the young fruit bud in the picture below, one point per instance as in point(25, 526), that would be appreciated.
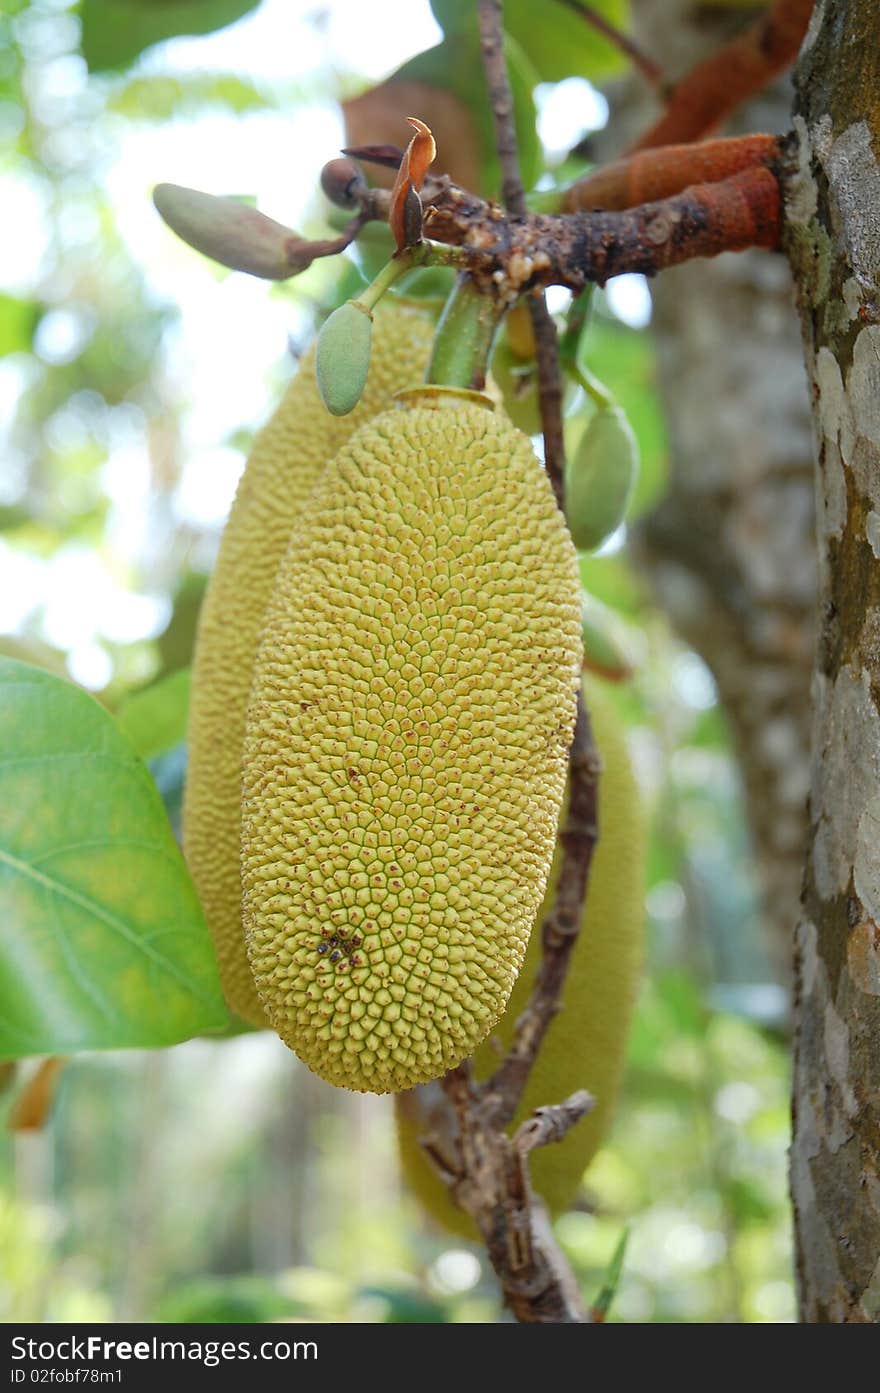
point(343, 357)
point(233, 233)
point(600, 478)
point(343, 183)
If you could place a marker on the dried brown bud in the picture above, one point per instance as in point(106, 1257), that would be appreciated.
point(343, 183)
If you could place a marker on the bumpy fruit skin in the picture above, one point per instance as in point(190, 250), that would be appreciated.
point(585, 1046)
point(287, 458)
point(405, 753)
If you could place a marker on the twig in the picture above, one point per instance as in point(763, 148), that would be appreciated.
point(546, 346)
point(560, 928)
point(583, 766)
point(637, 56)
point(552, 1124)
point(492, 1185)
point(713, 89)
point(490, 14)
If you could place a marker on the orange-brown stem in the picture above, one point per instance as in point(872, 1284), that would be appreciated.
point(653, 174)
point(708, 94)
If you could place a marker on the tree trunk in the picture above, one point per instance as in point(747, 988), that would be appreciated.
point(834, 247)
point(730, 551)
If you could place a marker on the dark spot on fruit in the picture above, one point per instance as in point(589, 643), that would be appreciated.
point(335, 955)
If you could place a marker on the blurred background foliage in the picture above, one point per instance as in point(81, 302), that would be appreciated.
point(220, 1180)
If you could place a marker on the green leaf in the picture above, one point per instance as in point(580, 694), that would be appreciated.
point(114, 32)
point(559, 43)
point(104, 943)
point(153, 720)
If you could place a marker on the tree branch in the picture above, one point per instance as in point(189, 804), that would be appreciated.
point(712, 90)
point(654, 174)
point(576, 249)
point(637, 56)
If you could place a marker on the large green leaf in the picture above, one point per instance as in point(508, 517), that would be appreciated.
point(103, 942)
point(559, 42)
point(114, 32)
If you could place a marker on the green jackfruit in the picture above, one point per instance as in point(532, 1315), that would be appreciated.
point(411, 712)
point(287, 458)
point(586, 1044)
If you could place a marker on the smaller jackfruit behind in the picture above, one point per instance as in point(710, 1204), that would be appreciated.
point(286, 460)
point(600, 478)
point(412, 707)
point(585, 1046)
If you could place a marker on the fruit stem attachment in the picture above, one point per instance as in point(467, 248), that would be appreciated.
point(598, 393)
point(464, 337)
point(578, 319)
point(409, 259)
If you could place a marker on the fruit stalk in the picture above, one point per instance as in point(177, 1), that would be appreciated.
point(464, 337)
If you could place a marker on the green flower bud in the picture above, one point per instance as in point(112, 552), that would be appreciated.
point(600, 478)
point(233, 233)
point(342, 358)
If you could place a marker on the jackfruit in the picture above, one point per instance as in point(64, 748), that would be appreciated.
point(287, 458)
point(412, 707)
point(585, 1046)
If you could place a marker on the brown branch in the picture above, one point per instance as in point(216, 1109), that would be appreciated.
point(576, 249)
point(712, 90)
point(493, 1186)
point(546, 347)
point(501, 101)
point(653, 174)
point(552, 1124)
point(637, 56)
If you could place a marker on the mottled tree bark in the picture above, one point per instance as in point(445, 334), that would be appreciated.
point(730, 550)
point(834, 247)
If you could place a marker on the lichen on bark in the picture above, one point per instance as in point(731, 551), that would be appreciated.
point(833, 242)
